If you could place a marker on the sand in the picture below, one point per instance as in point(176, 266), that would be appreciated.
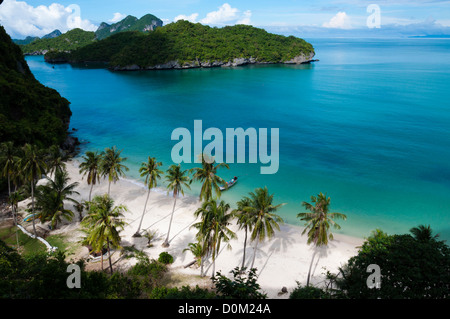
point(280, 262)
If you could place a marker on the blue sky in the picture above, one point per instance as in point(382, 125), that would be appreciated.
point(298, 17)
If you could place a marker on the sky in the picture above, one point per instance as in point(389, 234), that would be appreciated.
point(312, 18)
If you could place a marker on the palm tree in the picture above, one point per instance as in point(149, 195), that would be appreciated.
point(177, 180)
point(50, 198)
point(213, 228)
point(32, 166)
point(318, 222)
point(423, 233)
point(111, 165)
point(244, 220)
point(8, 160)
point(14, 200)
point(91, 167)
point(55, 160)
point(207, 174)
point(197, 250)
point(103, 224)
point(264, 221)
point(152, 173)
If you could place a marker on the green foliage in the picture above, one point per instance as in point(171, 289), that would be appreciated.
point(184, 292)
point(29, 111)
point(165, 258)
point(244, 285)
point(71, 40)
point(184, 42)
point(410, 268)
point(130, 23)
point(307, 292)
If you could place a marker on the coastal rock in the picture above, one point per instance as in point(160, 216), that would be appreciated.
point(300, 59)
point(70, 144)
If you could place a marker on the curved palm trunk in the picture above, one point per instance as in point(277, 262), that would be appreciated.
point(32, 207)
point(90, 192)
point(9, 184)
point(201, 267)
point(245, 245)
point(254, 255)
point(310, 266)
point(166, 242)
point(109, 188)
point(109, 257)
point(137, 234)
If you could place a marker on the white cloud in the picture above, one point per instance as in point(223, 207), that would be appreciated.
point(340, 21)
point(192, 18)
point(21, 19)
point(224, 15)
point(117, 17)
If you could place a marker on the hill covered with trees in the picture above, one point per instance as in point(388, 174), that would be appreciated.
point(184, 44)
point(29, 111)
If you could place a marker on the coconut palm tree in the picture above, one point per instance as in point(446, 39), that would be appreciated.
point(50, 198)
point(111, 165)
point(423, 233)
point(91, 166)
point(55, 160)
point(207, 174)
point(14, 200)
point(197, 250)
point(213, 228)
point(177, 181)
point(103, 224)
point(318, 223)
point(8, 160)
point(244, 220)
point(152, 174)
point(33, 166)
point(264, 221)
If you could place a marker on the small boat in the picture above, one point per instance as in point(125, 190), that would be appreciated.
point(30, 217)
point(230, 183)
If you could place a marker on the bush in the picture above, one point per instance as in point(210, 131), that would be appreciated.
point(165, 258)
point(307, 292)
point(185, 292)
point(242, 287)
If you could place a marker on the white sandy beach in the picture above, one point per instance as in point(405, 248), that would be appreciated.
point(280, 262)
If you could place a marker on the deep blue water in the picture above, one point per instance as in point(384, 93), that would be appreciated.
point(369, 124)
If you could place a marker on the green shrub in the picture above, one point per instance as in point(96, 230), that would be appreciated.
point(165, 258)
point(307, 292)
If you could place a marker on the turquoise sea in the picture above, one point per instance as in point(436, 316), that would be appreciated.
point(369, 125)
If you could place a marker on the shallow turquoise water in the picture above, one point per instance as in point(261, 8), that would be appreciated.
point(369, 125)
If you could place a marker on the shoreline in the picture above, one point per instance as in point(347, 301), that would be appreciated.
point(280, 262)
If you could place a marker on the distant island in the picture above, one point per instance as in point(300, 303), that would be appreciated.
point(77, 38)
point(183, 45)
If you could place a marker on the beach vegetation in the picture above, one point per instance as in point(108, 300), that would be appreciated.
point(111, 165)
point(90, 165)
point(213, 229)
point(178, 180)
point(150, 170)
point(207, 175)
point(412, 266)
point(308, 292)
point(244, 285)
point(103, 224)
point(165, 258)
point(264, 220)
point(318, 222)
point(244, 220)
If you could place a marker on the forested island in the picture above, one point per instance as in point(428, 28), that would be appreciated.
point(189, 45)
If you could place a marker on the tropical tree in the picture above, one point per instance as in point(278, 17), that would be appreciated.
point(244, 220)
point(318, 222)
point(50, 198)
point(264, 221)
point(111, 165)
point(213, 228)
point(91, 166)
point(33, 167)
point(103, 224)
point(152, 174)
point(197, 250)
point(55, 160)
point(423, 233)
point(8, 160)
point(207, 175)
point(177, 181)
point(14, 199)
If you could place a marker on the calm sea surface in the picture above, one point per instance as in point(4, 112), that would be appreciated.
point(369, 125)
